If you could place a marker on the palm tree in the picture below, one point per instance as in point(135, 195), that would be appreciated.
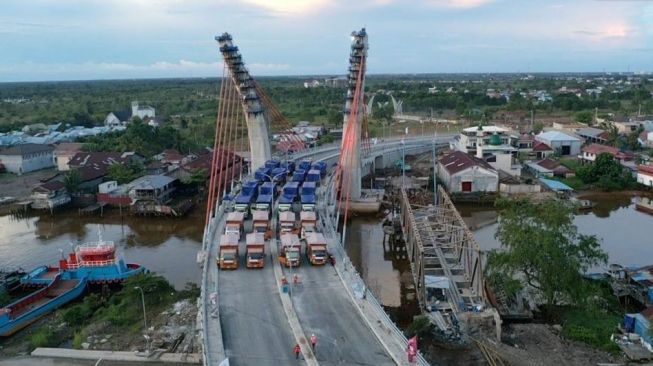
point(72, 180)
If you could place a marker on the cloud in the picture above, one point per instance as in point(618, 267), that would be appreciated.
point(459, 4)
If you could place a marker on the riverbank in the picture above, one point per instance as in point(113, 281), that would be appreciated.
point(113, 321)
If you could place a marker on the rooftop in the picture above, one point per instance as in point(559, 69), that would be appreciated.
point(557, 136)
point(151, 182)
point(490, 129)
point(25, 149)
point(591, 132)
point(458, 161)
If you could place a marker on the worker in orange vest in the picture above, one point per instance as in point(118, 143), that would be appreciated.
point(313, 341)
point(297, 349)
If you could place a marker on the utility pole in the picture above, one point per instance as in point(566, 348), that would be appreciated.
point(403, 164)
point(435, 190)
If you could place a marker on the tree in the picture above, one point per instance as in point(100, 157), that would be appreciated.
point(383, 112)
point(542, 250)
point(72, 180)
point(125, 173)
point(584, 117)
point(538, 127)
point(606, 173)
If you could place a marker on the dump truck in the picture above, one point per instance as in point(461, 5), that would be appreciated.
point(299, 175)
point(305, 165)
point(255, 250)
point(234, 223)
point(246, 197)
point(266, 194)
point(289, 166)
point(316, 248)
point(288, 196)
point(279, 175)
point(272, 164)
point(321, 166)
point(308, 196)
point(290, 249)
point(308, 220)
point(261, 223)
point(228, 252)
point(286, 222)
point(262, 174)
point(313, 175)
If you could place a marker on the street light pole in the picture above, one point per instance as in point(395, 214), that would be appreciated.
point(143, 302)
point(403, 164)
point(435, 191)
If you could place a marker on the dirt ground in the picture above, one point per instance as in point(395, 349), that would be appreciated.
point(20, 186)
point(540, 345)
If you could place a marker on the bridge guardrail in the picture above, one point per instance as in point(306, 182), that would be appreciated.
point(354, 279)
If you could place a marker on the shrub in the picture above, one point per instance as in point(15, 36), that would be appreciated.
point(43, 337)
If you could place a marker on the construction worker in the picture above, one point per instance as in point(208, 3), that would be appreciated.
point(313, 341)
point(297, 350)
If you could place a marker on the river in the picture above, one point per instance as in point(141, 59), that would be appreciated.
point(167, 246)
point(622, 231)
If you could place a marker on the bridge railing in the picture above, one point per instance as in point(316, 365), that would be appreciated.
point(350, 274)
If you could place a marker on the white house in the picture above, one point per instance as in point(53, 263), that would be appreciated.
point(485, 141)
point(25, 158)
point(461, 172)
point(645, 175)
point(564, 143)
point(142, 111)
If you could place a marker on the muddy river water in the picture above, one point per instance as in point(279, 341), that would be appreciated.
point(169, 246)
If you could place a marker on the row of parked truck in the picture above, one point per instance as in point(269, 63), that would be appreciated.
point(256, 198)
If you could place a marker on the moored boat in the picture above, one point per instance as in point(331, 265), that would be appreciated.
point(61, 289)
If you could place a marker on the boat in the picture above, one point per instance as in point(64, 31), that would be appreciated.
point(583, 204)
point(89, 263)
point(644, 204)
point(61, 289)
point(95, 260)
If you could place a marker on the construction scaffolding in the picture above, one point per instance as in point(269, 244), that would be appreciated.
point(445, 259)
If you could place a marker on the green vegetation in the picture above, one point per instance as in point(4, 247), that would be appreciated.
point(542, 250)
point(123, 309)
point(72, 179)
point(420, 327)
point(584, 117)
point(125, 173)
point(44, 337)
point(606, 173)
point(593, 326)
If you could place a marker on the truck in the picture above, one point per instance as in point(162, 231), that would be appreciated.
point(308, 196)
point(286, 222)
point(234, 223)
point(313, 176)
point(290, 249)
point(262, 174)
point(266, 195)
point(288, 196)
point(279, 175)
point(261, 223)
point(299, 175)
point(272, 164)
point(305, 165)
point(321, 166)
point(228, 252)
point(316, 248)
point(288, 165)
point(308, 222)
point(255, 250)
point(246, 197)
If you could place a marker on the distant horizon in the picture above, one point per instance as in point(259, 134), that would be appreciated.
point(309, 76)
point(72, 40)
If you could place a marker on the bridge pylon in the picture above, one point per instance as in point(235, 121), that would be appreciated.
point(255, 117)
point(354, 113)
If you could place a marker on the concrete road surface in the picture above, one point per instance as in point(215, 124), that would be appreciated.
point(255, 328)
point(325, 309)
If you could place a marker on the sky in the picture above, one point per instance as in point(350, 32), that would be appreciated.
point(128, 39)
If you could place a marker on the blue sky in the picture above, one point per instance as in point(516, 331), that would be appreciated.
point(106, 39)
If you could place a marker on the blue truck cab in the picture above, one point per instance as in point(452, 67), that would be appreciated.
point(272, 164)
point(279, 175)
point(321, 166)
point(299, 175)
point(266, 195)
point(314, 176)
point(246, 197)
point(308, 196)
point(262, 174)
point(288, 196)
point(305, 165)
point(289, 166)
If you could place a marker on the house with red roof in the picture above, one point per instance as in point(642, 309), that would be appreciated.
point(541, 150)
point(592, 151)
point(463, 173)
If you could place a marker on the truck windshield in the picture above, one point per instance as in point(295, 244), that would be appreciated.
point(319, 253)
point(260, 229)
point(292, 255)
point(228, 256)
point(256, 255)
point(309, 228)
